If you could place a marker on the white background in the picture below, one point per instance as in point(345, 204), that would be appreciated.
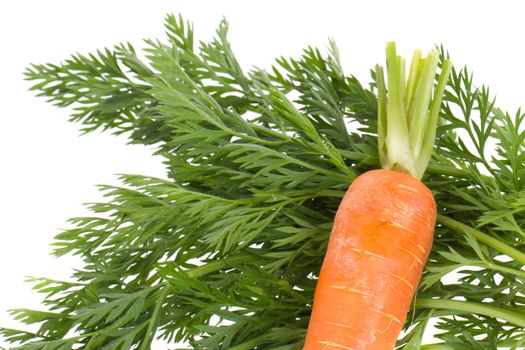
point(47, 171)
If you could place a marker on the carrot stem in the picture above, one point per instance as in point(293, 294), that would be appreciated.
point(499, 343)
point(154, 321)
point(408, 111)
point(482, 237)
point(510, 316)
point(437, 346)
point(250, 344)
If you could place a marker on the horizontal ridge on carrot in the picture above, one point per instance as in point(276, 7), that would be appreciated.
point(383, 229)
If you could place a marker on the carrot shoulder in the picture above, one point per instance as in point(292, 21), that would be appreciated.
point(380, 241)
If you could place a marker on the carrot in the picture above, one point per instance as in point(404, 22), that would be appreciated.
point(380, 241)
point(383, 230)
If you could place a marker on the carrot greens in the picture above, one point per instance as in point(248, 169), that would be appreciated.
point(223, 252)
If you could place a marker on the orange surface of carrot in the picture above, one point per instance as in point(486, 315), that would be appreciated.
point(379, 244)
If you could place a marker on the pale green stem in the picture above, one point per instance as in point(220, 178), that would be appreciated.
point(421, 103)
point(511, 316)
point(382, 114)
point(250, 344)
point(435, 107)
point(492, 242)
point(435, 347)
point(499, 344)
point(413, 76)
point(155, 318)
point(406, 133)
point(399, 154)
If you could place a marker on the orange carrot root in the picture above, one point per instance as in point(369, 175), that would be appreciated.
point(379, 244)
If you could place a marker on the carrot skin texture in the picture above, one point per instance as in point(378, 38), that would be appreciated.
point(380, 241)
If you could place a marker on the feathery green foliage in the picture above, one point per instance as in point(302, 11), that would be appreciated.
point(223, 253)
